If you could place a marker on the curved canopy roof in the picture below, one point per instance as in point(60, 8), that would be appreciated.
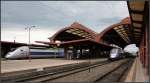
point(74, 32)
point(117, 33)
point(110, 35)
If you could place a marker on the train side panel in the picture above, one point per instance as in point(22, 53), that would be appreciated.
point(25, 52)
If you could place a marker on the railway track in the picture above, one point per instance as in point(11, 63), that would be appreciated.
point(117, 74)
point(51, 71)
point(61, 73)
point(58, 76)
point(87, 76)
point(104, 71)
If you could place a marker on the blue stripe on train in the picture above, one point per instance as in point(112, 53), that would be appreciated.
point(47, 53)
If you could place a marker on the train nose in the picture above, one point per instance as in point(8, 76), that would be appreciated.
point(8, 55)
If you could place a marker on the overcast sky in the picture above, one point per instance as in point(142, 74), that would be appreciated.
point(51, 16)
point(131, 48)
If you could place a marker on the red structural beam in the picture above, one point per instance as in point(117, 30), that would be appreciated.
point(48, 43)
point(86, 42)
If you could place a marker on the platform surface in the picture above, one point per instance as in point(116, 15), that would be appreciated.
point(137, 74)
point(17, 65)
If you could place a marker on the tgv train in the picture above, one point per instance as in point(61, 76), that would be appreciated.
point(116, 53)
point(26, 52)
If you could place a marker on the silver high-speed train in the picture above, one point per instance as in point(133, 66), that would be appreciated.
point(26, 52)
point(116, 53)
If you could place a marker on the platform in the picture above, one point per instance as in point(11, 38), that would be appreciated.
point(137, 73)
point(19, 65)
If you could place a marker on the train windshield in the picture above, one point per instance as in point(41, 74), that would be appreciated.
point(113, 51)
point(13, 49)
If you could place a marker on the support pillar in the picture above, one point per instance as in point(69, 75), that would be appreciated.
point(66, 52)
point(74, 53)
point(80, 52)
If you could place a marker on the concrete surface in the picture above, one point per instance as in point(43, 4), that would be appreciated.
point(136, 74)
point(17, 65)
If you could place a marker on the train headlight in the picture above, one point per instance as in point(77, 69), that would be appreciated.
point(7, 56)
point(113, 56)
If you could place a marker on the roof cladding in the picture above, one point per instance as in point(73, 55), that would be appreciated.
point(75, 31)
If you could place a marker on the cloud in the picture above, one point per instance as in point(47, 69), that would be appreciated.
point(55, 15)
point(21, 35)
point(96, 15)
point(131, 48)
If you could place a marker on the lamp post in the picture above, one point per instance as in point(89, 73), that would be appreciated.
point(29, 28)
point(14, 39)
point(58, 44)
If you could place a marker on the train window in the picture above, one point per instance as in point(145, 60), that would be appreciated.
point(13, 49)
point(21, 50)
point(113, 51)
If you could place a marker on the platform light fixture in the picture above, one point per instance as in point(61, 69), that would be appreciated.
point(14, 39)
point(29, 28)
point(58, 44)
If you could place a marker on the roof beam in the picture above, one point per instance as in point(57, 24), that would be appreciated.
point(135, 21)
point(137, 24)
point(136, 5)
point(137, 12)
point(136, 17)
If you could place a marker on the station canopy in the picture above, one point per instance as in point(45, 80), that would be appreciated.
point(77, 35)
point(139, 14)
point(117, 34)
